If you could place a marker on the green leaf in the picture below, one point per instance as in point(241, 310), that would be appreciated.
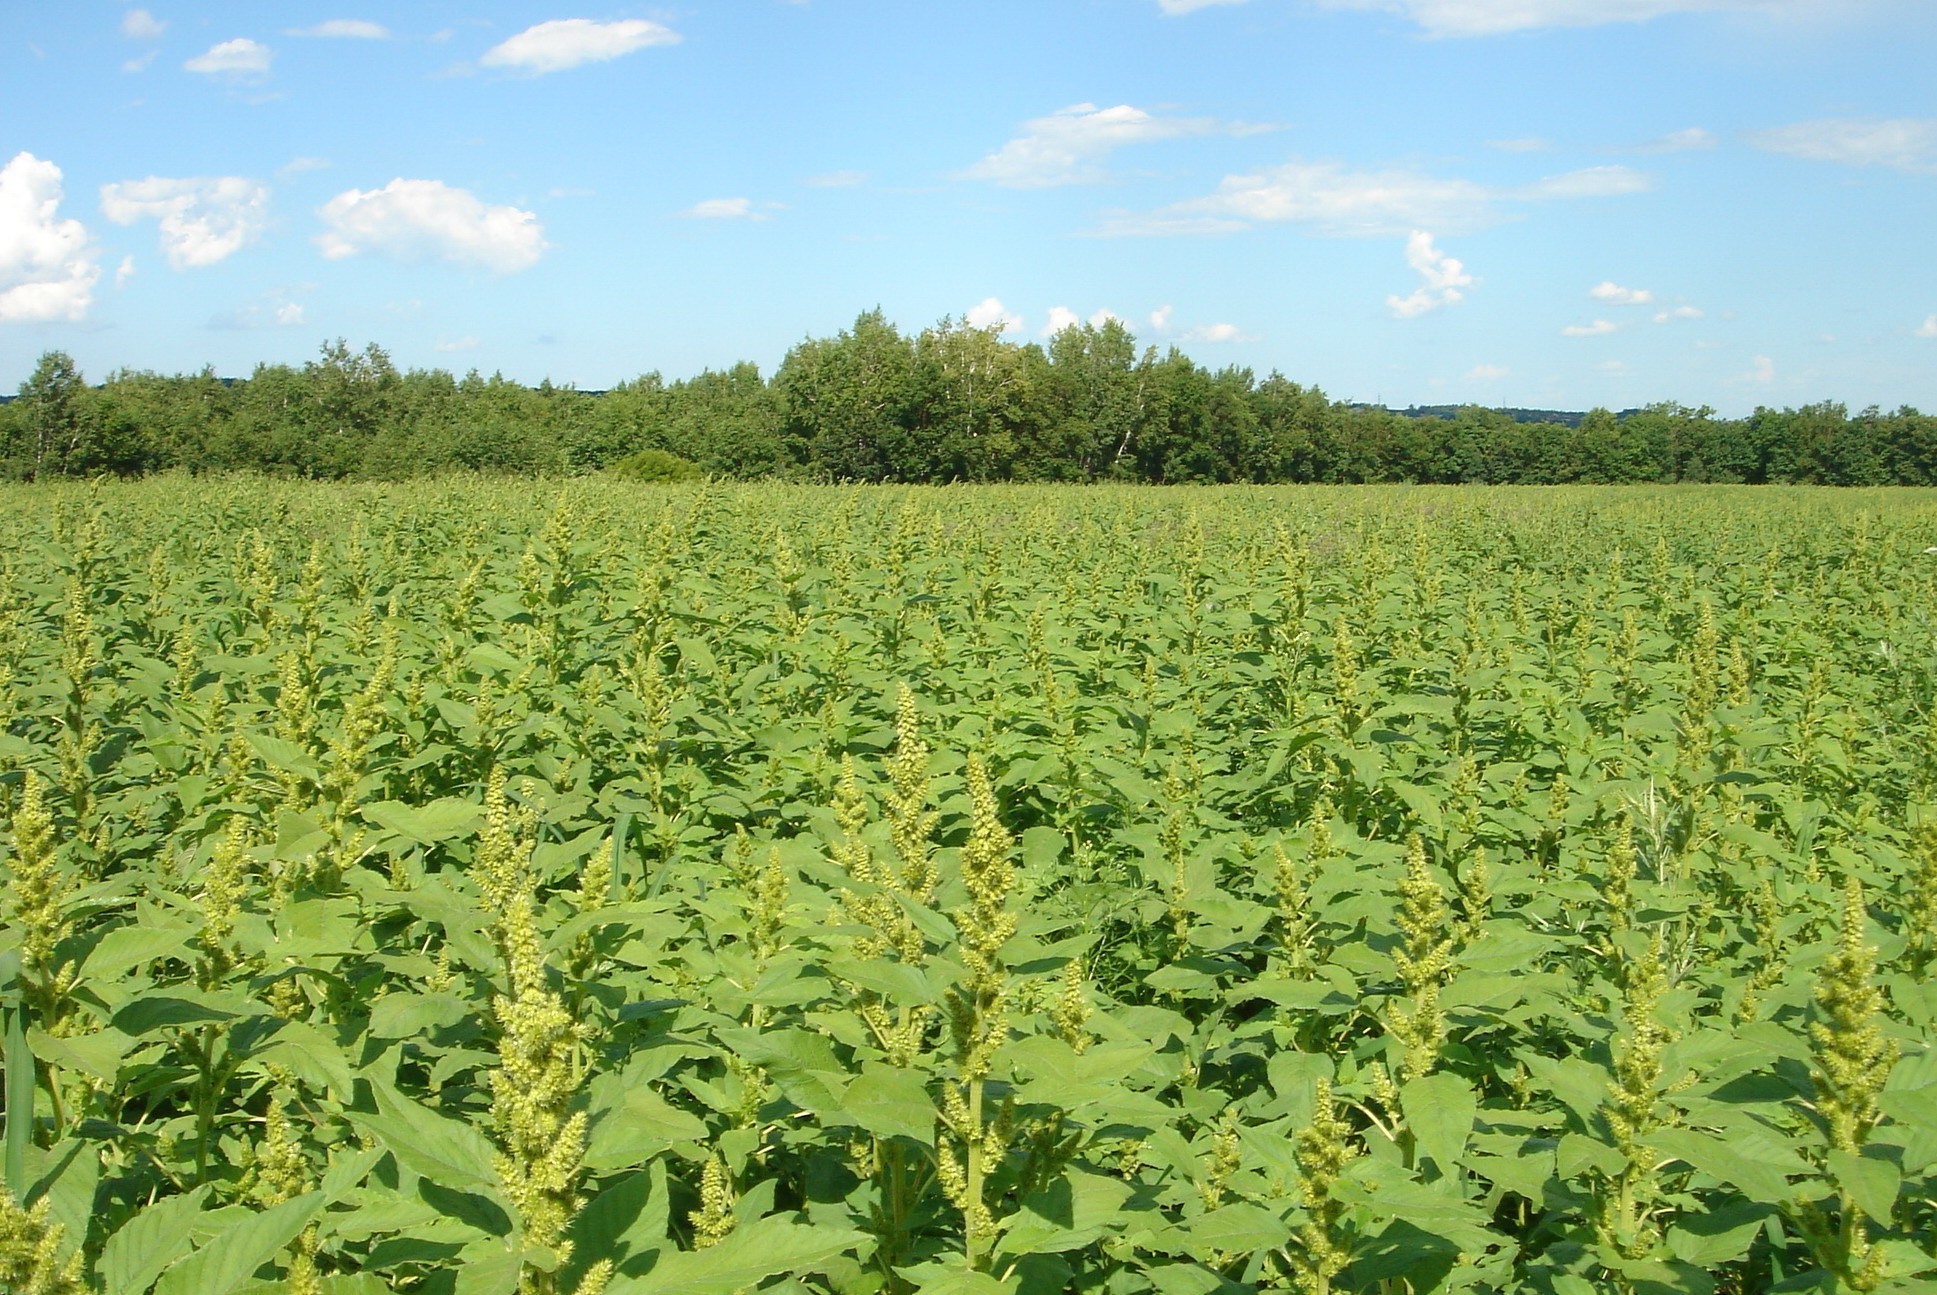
point(231, 1256)
point(1439, 1110)
point(489, 1268)
point(1719, 1236)
point(407, 1014)
point(147, 1243)
point(639, 1128)
point(287, 756)
point(749, 1255)
point(428, 824)
point(1239, 1228)
point(889, 1102)
point(1070, 1213)
point(1871, 1183)
point(128, 947)
point(1761, 1179)
point(440, 1148)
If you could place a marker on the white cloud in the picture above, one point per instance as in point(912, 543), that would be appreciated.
point(1928, 328)
point(414, 220)
point(140, 64)
point(1598, 328)
point(1191, 6)
point(1071, 146)
point(1487, 372)
point(203, 220)
point(1441, 278)
point(1218, 333)
point(732, 209)
point(837, 179)
point(48, 266)
point(125, 271)
point(1616, 295)
point(1336, 201)
point(297, 165)
point(1103, 316)
point(1060, 317)
point(991, 313)
point(1160, 317)
point(240, 59)
point(1590, 182)
point(1691, 140)
point(1903, 143)
point(1494, 17)
point(344, 29)
point(1678, 312)
point(1761, 369)
point(457, 344)
point(139, 24)
point(572, 42)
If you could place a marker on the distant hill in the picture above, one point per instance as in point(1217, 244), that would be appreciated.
point(1565, 417)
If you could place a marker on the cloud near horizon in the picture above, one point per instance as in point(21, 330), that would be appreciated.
point(1336, 201)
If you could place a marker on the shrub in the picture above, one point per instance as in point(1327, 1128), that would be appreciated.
point(655, 465)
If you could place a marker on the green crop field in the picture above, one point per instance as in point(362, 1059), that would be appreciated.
point(475, 887)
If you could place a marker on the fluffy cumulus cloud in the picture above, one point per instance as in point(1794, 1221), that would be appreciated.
point(1160, 318)
point(1677, 313)
point(1496, 17)
point(1441, 278)
point(418, 220)
point(1072, 146)
point(1928, 328)
point(1060, 317)
point(1616, 295)
point(48, 266)
point(240, 60)
point(1333, 200)
point(344, 29)
point(202, 220)
point(991, 313)
point(1599, 328)
point(1902, 143)
point(1761, 369)
point(1487, 372)
point(572, 42)
point(139, 24)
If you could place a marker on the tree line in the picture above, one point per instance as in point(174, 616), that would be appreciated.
point(874, 403)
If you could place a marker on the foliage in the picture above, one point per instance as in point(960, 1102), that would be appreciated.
point(953, 403)
point(479, 886)
point(655, 465)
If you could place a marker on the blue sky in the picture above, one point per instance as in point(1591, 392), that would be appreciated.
point(1552, 203)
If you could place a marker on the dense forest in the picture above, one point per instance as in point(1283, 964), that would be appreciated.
point(951, 403)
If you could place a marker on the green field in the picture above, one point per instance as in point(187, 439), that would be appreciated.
point(484, 886)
